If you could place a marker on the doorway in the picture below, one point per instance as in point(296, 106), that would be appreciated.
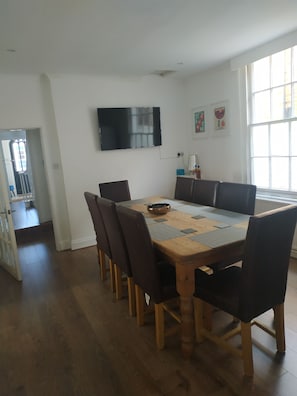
point(24, 166)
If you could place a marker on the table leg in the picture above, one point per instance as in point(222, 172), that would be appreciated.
point(185, 283)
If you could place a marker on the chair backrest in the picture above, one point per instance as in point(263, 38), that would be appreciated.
point(117, 191)
point(237, 197)
point(184, 188)
point(266, 260)
point(98, 223)
point(205, 191)
point(141, 251)
point(115, 235)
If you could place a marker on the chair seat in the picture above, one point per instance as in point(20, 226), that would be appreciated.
point(220, 289)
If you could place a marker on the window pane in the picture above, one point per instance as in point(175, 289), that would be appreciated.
point(294, 63)
point(260, 141)
point(294, 174)
point(261, 107)
point(279, 139)
point(260, 172)
point(280, 173)
point(294, 138)
point(277, 103)
point(261, 75)
point(19, 154)
point(281, 68)
point(294, 101)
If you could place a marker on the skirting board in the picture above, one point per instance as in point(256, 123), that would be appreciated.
point(83, 243)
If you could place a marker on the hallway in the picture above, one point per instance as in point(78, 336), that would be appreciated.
point(23, 216)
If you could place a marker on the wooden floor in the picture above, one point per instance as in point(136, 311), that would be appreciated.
point(23, 215)
point(62, 333)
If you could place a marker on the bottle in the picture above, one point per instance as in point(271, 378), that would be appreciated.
point(197, 172)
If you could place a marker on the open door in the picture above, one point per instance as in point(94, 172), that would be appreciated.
point(9, 258)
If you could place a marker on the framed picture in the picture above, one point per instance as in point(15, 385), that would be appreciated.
point(220, 114)
point(199, 123)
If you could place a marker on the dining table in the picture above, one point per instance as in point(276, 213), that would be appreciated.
point(191, 236)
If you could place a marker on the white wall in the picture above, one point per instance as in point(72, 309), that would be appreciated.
point(24, 104)
point(224, 158)
point(149, 171)
point(220, 157)
point(64, 108)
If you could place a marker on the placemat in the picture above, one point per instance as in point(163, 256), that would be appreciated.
point(224, 216)
point(221, 237)
point(163, 232)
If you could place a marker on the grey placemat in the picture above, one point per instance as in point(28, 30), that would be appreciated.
point(193, 210)
point(224, 216)
point(162, 231)
point(221, 237)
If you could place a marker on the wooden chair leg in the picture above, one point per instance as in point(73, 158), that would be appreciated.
point(207, 316)
point(159, 326)
point(101, 261)
point(118, 282)
point(111, 274)
point(139, 296)
point(279, 327)
point(131, 297)
point(247, 349)
point(198, 317)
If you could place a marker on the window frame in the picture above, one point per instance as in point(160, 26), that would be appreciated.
point(269, 192)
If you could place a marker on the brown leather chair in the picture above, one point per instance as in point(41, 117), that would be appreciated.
point(205, 191)
point(236, 197)
point(258, 286)
point(119, 251)
point(184, 188)
point(117, 191)
point(152, 276)
point(103, 246)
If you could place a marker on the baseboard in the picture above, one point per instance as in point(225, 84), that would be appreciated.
point(83, 243)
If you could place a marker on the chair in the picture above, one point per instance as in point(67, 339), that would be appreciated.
point(205, 191)
point(152, 276)
point(236, 197)
point(103, 247)
point(119, 251)
point(184, 188)
point(117, 191)
point(258, 286)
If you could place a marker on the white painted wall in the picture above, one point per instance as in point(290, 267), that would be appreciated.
point(149, 171)
point(24, 103)
point(64, 108)
point(220, 157)
point(224, 158)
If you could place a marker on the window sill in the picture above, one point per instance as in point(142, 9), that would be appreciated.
point(276, 198)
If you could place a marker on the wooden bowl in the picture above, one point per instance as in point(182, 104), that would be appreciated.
point(159, 208)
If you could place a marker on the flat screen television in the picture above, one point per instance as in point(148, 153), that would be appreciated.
point(129, 127)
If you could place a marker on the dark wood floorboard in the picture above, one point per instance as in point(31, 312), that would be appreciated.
point(62, 333)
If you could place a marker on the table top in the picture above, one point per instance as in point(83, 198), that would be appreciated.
point(190, 231)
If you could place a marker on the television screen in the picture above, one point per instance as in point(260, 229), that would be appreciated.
point(129, 127)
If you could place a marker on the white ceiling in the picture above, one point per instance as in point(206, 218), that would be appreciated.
point(135, 37)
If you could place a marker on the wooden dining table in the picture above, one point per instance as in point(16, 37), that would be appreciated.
point(191, 236)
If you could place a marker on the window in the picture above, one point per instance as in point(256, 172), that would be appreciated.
point(272, 88)
point(19, 155)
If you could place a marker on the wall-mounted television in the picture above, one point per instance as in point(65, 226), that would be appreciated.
point(129, 127)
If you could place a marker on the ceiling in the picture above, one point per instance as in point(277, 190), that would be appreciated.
point(135, 37)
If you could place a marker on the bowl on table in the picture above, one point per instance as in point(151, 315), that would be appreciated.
point(158, 208)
